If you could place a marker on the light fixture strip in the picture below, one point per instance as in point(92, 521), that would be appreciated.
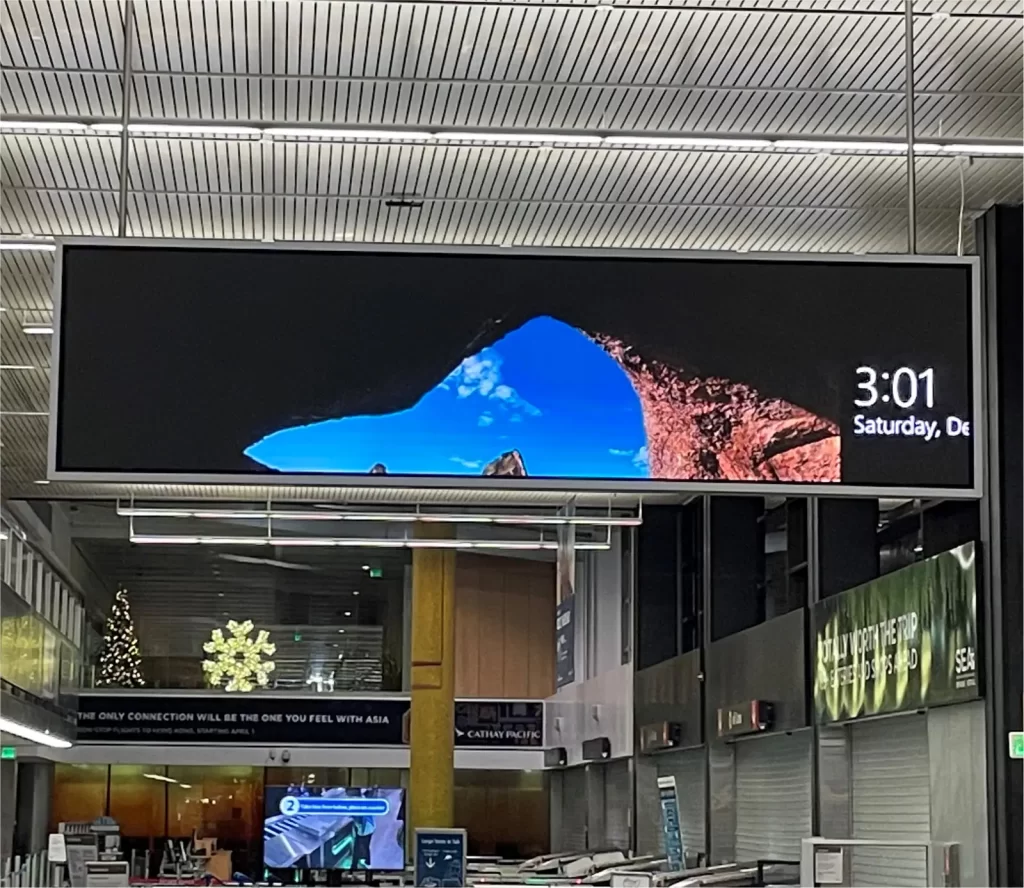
point(628, 141)
point(395, 517)
point(162, 778)
point(356, 542)
point(44, 738)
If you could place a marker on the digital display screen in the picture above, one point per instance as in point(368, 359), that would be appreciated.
point(334, 827)
point(502, 369)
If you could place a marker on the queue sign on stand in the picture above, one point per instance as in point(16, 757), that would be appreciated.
point(440, 858)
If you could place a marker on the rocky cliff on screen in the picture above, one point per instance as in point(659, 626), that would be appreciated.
point(713, 429)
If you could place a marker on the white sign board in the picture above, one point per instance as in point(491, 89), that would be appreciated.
point(106, 874)
point(828, 867)
point(57, 849)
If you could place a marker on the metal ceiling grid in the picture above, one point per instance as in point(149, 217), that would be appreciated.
point(666, 67)
point(720, 67)
point(321, 187)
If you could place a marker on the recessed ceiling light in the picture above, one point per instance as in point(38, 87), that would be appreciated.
point(341, 631)
point(366, 567)
point(355, 591)
point(348, 613)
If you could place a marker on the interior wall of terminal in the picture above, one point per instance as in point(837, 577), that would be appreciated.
point(691, 648)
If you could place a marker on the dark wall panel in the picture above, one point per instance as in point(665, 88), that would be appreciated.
point(999, 234)
point(736, 549)
point(670, 692)
point(847, 543)
point(762, 663)
point(657, 595)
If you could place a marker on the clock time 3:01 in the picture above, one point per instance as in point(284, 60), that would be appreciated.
point(902, 389)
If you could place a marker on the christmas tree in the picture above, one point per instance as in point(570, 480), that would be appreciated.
point(120, 661)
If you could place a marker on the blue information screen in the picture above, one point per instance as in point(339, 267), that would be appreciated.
point(674, 850)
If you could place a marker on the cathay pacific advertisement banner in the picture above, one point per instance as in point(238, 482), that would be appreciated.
point(218, 717)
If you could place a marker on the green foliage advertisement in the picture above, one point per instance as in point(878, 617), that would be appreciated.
point(904, 641)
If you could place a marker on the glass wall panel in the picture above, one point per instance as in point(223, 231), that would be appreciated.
point(309, 775)
point(223, 802)
point(6, 541)
point(138, 799)
point(24, 650)
point(79, 793)
point(336, 616)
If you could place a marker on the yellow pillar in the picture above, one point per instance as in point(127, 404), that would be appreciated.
point(432, 715)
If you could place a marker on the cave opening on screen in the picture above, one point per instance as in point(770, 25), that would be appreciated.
point(549, 400)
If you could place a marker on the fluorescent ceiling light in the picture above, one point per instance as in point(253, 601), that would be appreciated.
point(37, 329)
point(44, 738)
point(24, 413)
point(396, 135)
point(637, 141)
point(686, 142)
point(567, 138)
point(16, 367)
point(42, 125)
point(175, 129)
point(395, 517)
point(827, 145)
point(39, 246)
point(161, 778)
point(995, 150)
point(356, 542)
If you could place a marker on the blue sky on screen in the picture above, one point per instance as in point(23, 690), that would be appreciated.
point(544, 389)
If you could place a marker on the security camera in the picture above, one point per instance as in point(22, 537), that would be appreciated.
point(286, 756)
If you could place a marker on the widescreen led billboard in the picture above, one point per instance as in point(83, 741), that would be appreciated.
point(631, 371)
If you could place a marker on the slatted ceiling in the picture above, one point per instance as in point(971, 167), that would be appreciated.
point(724, 66)
point(231, 175)
point(665, 66)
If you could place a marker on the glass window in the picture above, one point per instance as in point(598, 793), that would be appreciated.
point(48, 600)
point(79, 793)
point(8, 560)
point(310, 775)
point(39, 577)
point(138, 799)
point(6, 535)
point(76, 634)
point(60, 596)
point(16, 571)
point(225, 803)
point(49, 664)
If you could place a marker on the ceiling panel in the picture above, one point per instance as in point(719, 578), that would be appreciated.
point(718, 67)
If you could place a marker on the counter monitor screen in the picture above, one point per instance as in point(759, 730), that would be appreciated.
point(334, 827)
